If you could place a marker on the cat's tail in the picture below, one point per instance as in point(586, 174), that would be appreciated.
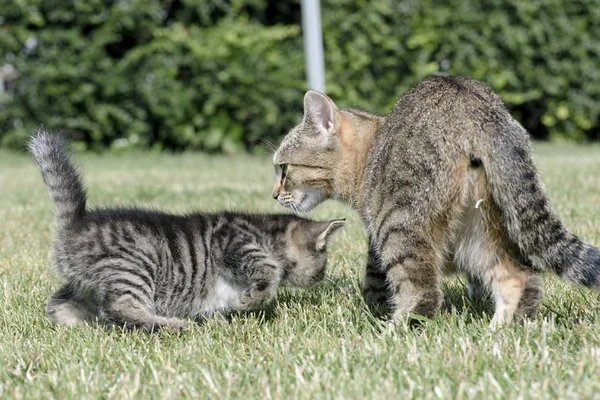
point(542, 239)
point(60, 176)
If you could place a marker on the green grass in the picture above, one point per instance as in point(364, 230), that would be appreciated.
point(317, 343)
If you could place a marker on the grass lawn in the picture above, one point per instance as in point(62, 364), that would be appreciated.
point(317, 343)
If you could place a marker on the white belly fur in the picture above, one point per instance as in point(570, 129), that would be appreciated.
point(223, 296)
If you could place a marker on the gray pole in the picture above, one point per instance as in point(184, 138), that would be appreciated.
point(313, 44)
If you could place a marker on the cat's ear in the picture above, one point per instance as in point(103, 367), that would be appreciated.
point(327, 230)
point(320, 111)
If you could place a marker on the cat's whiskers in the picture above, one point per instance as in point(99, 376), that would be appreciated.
point(267, 147)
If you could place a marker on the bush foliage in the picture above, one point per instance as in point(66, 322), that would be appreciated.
point(218, 75)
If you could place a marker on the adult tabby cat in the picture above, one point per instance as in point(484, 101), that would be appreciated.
point(148, 269)
point(447, 176)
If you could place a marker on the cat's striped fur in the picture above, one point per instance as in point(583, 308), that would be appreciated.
point(446, 177)
point(148, 269)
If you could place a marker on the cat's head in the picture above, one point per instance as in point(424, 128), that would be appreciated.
point(314, 160)
point(306, 250)
point(305, 160)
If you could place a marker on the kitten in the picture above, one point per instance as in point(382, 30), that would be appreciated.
point(148, 269)
point(447, 176)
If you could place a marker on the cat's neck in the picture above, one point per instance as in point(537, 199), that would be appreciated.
point(358, 131)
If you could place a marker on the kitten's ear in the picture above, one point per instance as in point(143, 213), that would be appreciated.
point(329, 228)
point(320, 111)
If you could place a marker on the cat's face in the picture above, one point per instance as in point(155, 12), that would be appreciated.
point(306, 250)
point(305, 163)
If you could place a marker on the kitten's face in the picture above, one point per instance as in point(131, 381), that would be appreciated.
point(305, 163)
point(306, 250)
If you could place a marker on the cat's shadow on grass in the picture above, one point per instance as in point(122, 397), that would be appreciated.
point(477, 309)
point(455, 301)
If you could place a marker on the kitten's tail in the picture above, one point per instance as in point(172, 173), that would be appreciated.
point(60, 176)
point(542, 239)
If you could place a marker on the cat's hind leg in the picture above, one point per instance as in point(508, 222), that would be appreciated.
point(129, 309)
point(507, 284)
point(517, 293)
point(65, 307)
point(483, 252)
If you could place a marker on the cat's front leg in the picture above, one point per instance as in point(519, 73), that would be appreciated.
point(256, 296)
point(261, 274)
point(375, 289)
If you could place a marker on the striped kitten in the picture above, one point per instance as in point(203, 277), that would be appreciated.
point(148, 269)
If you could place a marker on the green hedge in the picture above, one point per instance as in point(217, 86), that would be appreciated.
point(542, 57)
point(219, 75)
point(180, 75)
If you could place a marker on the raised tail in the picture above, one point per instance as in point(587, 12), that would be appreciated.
point(60, 176)
point(541, 238)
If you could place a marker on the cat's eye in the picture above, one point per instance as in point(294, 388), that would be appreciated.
point(284, 168)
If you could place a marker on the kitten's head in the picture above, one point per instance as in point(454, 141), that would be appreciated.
point(306, 160)
point(306, 250)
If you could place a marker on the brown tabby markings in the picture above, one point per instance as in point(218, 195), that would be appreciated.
point(446, 178)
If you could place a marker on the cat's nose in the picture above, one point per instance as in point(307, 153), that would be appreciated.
point(275, 192)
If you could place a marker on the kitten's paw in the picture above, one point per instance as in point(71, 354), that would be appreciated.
point(179, 325)
point(176, 324)
point(246, 297)
point(251, 299)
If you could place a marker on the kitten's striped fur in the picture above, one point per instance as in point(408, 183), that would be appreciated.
point(446, 177)
point(148, 269)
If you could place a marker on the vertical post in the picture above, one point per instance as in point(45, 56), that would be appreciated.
point(313, 44)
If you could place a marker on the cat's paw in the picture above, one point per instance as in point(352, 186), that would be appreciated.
point(251, 299)
point(176, 324)
point(247, 298)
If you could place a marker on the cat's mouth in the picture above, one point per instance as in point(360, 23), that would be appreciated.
point(301, 201)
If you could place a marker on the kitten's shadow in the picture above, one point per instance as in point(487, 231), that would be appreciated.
point(456, 301)
point(290, 298)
